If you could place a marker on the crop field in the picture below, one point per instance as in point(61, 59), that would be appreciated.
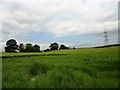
point(74, 68)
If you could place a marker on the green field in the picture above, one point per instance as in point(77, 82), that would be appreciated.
point(75, 68)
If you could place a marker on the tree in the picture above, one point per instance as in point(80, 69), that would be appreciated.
point(21, 47)
point(36, 48)
point(47, 50)
point(54, 46)
point(74, 48)
point(63, 47)
point(29, 47)
point(11, 46)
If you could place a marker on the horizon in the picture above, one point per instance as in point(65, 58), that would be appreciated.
point(98, 46)
point(75, 23)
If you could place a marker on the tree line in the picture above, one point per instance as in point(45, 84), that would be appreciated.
point(12, 46)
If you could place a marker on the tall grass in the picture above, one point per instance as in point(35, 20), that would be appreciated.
point(81, 68)
point(37, 68)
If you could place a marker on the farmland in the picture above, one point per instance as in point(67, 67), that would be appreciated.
point(75, 68)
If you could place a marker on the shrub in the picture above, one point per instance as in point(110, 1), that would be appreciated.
point(47, 50)
point(37, 68)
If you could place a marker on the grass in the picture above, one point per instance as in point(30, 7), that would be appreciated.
point(78, 68)
point(37, 68)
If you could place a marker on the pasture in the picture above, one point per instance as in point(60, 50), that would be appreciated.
point(75, 68)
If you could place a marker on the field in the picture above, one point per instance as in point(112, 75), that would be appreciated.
point(75, 68)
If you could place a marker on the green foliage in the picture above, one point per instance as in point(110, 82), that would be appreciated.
point(37, 68)
point(21, 47)
point(11, 46)
point(54, 46)
point(11, 42)
point(63, 47)
point(36, 48)
point(29, 48)
point(81, 68)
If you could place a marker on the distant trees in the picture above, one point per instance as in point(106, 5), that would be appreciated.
point(21, 47)
point(46, 50)
point(54, 46)
point(74, 48)
point(29, 48)
point(36, 48)
point(63, 47)
point(11, 46)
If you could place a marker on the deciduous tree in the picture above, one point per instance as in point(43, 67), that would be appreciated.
point(54, 46)
point(11, 46)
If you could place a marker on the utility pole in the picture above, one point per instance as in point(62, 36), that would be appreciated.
point(106, 40)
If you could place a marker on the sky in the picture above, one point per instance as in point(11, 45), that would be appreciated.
point(75, 23)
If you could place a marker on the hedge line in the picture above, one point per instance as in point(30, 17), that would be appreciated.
point(33, 55)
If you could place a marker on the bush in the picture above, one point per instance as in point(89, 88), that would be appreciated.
point(37, 68)
point(47, 50)
point(63, 47)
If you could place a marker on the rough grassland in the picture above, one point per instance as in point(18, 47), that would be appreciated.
point(78, 68)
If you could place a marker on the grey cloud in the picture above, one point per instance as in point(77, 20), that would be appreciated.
point(55, 15)
point(60, 18)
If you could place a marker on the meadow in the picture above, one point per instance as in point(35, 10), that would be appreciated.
point(74, 68)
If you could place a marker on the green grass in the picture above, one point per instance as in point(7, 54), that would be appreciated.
point(79, 68)
point(19, 54)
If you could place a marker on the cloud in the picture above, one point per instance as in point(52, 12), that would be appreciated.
point(59, 18)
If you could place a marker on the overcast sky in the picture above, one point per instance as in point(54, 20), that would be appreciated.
point(78, 23)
